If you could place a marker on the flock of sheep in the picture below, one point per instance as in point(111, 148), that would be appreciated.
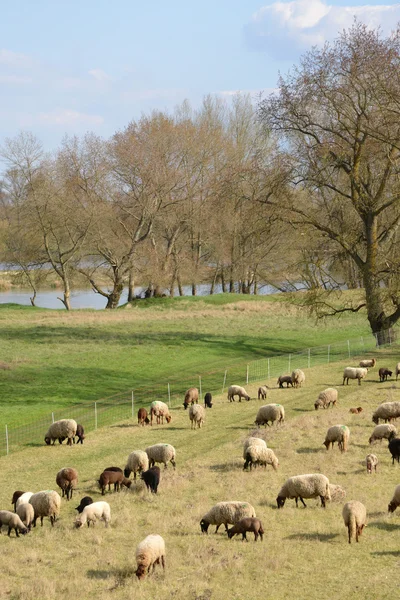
point(28, 506)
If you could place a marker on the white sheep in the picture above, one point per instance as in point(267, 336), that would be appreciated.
point(298, 378)
point(325, 398)
point(137, 462)
point(59, 430)
point(355, 518)
point(337, 492)
point(149, 553)
point(386, 411)
point(367, 363)
point(26, 496)
point(397, 370)
point(339, 434)
point(237, 390)
point(196, 415)
point(312, 485)
point(383, 431)
point(262, 392)
point(256, 454)
point(226, 513)
point(12, 521)
point(354, 373)
point(161, 453)
point(93, 512)
point(395, 501)
point(46, 504)
point(159, 410)
point(251, 441)
point(270, 412)
point(371, 462)
point(67, 480)
point(26, 514)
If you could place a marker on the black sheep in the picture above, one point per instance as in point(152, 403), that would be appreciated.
point(86, 500)
point(151, 478)
point(208, 400)
point(394, 448)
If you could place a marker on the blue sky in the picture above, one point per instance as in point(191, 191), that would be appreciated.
point(93, 65)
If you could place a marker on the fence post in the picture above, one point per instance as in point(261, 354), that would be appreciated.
point(200, 385)
point(362, 341)
point(329, 351)
point(223, 385)
point(6, 440)
point(52, 417)
point(309, 357)
point(169, 396)
point(133, 405)
point(348, 345)
point(95, 415)
point(290, 356)
point(268, 368)
point(247, 374)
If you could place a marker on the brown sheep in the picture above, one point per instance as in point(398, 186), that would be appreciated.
point(247, 524)
point(384, 374)
point(115, 477)
point(191, 397)
point(355, 411)
point(67, 480)
point(142, 417)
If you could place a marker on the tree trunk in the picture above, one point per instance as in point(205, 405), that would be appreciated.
point(223, 285)
point(212, 288)
point(131, 287)
point(180, 288)
point(33, 298)
point(194, 289)
point(115, 296)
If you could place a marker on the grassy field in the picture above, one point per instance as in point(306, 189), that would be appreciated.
point(52, 359)
point(304, 554)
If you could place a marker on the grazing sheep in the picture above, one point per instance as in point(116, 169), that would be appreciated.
point(208, 400)
point(339, 434)
point(251, 441)
point(93, 512)
point(397, 370)
point(159, 410)
point(237, 390)
point(356, 411)
point(26, 514)
point(59, 430)
point(394, 449)
point(114, 470)
point(354, 517)
point(367, 363)
point(298, 378)
point(85, 501)
point(325, 398)
point(386, 430)
point(313, 485)
point(354, 373)
point(152, 478)
point(384, 374)
point(270, 412)
point(109, 477)
point(161, 453)
point(142, 417)
point(67, 480)
point(337, 492)
point(247, 524)
point(196, 415)
point(149, 553)
point(285, 379)
point(12, 521)
point(26, 496)
point(137, 462)
point(80, 433)
point(46, 504)
point(386, 411)
point(17, 494)
point(225, 513)
point(371, 462)
point(256, 454)
point(395, 501)
point(262, 392)
point(191, 397)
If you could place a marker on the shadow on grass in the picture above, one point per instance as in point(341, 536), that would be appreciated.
point(309, 450)
point(120, 574)
point(386, 553)
point(385, 526)
point(319, 537)
point(223, 467)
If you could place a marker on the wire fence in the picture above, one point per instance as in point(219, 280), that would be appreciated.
point(124, 406)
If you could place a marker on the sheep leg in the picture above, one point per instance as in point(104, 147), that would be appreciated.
point(216, 531)
point(255, 536)
point(304, 504)
point(323, 501)
point(163, 561)
point(41, 521)
point(244, 537)
point(348, 527)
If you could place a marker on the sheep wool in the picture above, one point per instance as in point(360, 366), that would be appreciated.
point(256, 454)
point(395, 501)
point(355, 518)
point(67, 480)
point(66, 428)
point(354, 373)
point(312, 485)
point(397, 370)
point(12, 521)
point(149, 553)
point(196, 415)
point(270, 412)
point(337, 492)
point(93, 512)
point(371, 462)
point(367, 363)
point(159, 410)
point(298, 378)
point(225, 513)
point(339, 434)
point(137, 462)
point(386, 411)
point(161, 453)
point(46, 504)
point(325, 398)
point(26, 514)
point(237, 390)
point(26, 496)
point(252, 441)
point(383, 431)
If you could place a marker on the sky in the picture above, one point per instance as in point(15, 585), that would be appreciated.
point(69, 66)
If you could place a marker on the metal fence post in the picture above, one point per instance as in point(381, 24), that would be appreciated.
point(200, 385)
point(329, 351)
point(169, 396)
point(348, 345)
point(133, 405)
point(268, 368)
point(247, 374)
point(223, 385)
point(290, 357)
point(6, 440)
point(95, 415)
point(309, 357)
point(52, 417)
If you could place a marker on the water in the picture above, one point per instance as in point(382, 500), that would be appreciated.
point(89, 299)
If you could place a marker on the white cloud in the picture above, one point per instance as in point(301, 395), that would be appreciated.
point(152, 94)
point(15, 59)
point(63, 117)
point(15, 79)
point(99, 75)
point(285, 28)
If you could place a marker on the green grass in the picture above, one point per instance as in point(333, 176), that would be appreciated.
point(304, 554)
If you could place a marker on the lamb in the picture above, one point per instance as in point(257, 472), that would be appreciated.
point(149, 553)
point(367, 363)
point(196, 415)
point(92, 512)
point(17, 494)
point(397, 370)
point(46, 504)
point(256, 454)
point(26, 496)
point(208, 400)
point(394, 449)
point(80, 433)
point(354, 373)
point(225, 513)
point(109, 477)
point(138, 461)
point(371, 462)
point(386, 430)
point(191, 397)
point(386, 411)
point(142, 417)
point(26, 514)
point(325, 398)
point(245, 525)
point(285, 379)
point(384, 374)
point(59, 430)
point(13, 521)
point(85, 501)
point(298, 378)
point(356, 411)
point(339, 434)
point(337, 492)
point(237, 390)
point(159, 410)
point(67, 480)
point(270, 412)
point(161, 453)
point(152, 478)
point(313, 485)
point(395, 501)
point(262, 392)
point(354, 517)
